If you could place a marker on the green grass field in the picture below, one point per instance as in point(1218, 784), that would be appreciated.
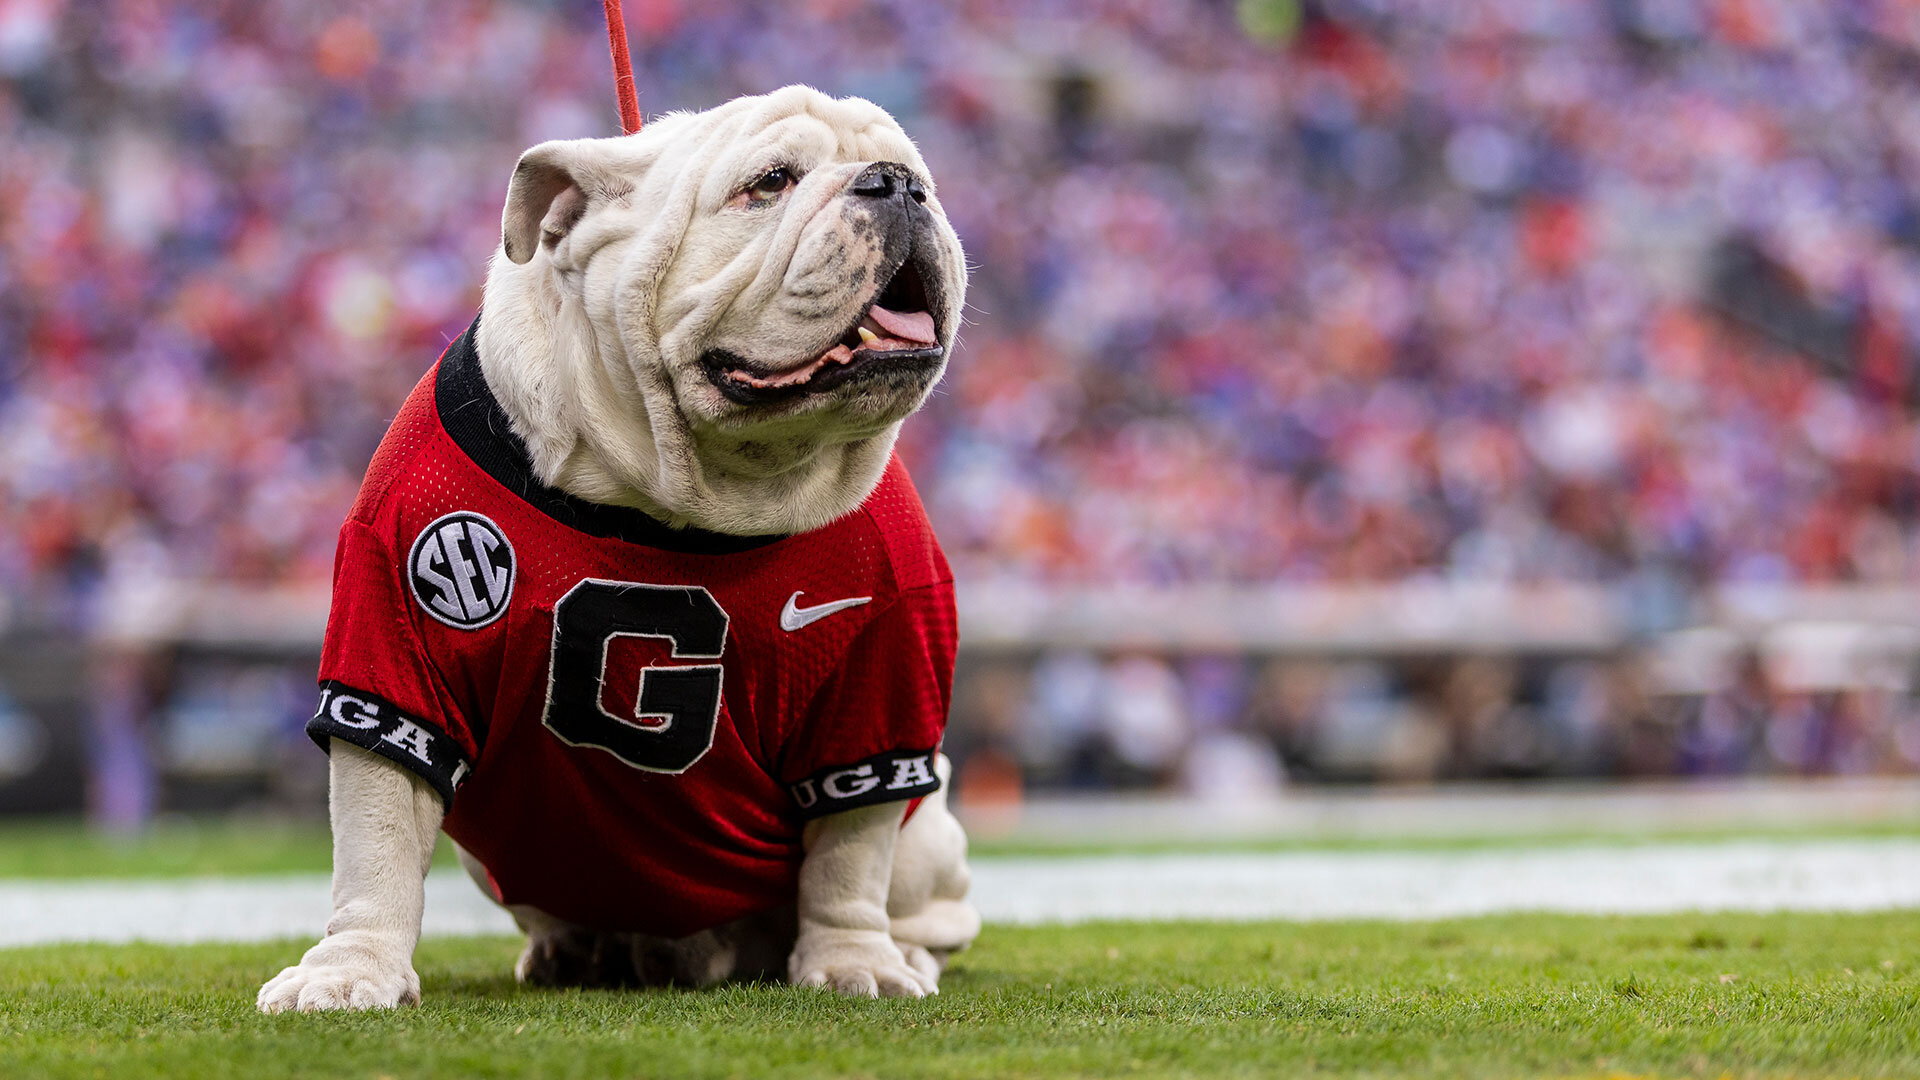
point(1514, 996)
point(177, 848)
point(1707, 996)
point(191, 847)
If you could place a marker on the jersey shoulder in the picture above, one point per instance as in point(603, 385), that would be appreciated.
point(894, 520)
point(412, 434)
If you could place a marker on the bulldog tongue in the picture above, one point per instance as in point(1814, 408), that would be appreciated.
point(904, 330)
point(914, 326)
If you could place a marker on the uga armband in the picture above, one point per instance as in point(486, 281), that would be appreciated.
point(900, 774)
point(375, 724)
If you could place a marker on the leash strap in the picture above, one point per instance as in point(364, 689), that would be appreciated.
point(622, 68)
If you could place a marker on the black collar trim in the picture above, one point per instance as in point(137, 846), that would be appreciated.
point(473, 418)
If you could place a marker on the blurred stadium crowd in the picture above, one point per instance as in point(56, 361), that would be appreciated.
point(1351, 290)
point(1221, 727)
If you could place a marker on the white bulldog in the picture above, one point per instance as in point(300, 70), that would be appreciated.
point(720, 321)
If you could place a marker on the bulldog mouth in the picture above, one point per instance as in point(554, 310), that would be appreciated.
point(895, 334)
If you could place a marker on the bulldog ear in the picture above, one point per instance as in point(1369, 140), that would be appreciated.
point(547, 196)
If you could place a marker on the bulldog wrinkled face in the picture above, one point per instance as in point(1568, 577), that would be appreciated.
point(853, 300)
point(724, 318)
point(782, 263)
point(858, 314)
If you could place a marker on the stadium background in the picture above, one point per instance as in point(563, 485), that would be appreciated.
point(1353, 391)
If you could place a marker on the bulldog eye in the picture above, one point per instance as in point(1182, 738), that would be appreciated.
point(770, 187)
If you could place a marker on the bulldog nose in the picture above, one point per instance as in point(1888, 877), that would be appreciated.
point(886, 179)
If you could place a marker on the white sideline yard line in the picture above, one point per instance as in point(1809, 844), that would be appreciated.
point(1826, 875)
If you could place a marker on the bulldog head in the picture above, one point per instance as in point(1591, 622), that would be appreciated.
point(724, 318)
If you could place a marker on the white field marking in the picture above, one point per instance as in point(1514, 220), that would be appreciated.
point(1830, 875)
point(1734, 876)
point(186, 910)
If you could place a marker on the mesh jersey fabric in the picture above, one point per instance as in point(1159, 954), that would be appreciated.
point(630, 724)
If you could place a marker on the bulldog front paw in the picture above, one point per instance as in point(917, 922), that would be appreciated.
point(346, 971)
point(924, 964)
point(857, 963)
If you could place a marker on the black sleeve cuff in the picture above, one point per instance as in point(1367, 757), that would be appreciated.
point(889, 777)
point(375, 724)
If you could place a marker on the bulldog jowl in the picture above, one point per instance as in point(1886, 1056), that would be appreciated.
point(894, 336)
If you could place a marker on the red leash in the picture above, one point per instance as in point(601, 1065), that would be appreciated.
point(622, 68)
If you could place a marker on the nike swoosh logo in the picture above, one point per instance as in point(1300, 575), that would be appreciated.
point(793, 616)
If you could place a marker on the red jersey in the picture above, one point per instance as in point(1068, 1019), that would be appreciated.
point(630, 724)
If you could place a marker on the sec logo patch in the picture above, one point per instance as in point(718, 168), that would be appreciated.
point(461, 569)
